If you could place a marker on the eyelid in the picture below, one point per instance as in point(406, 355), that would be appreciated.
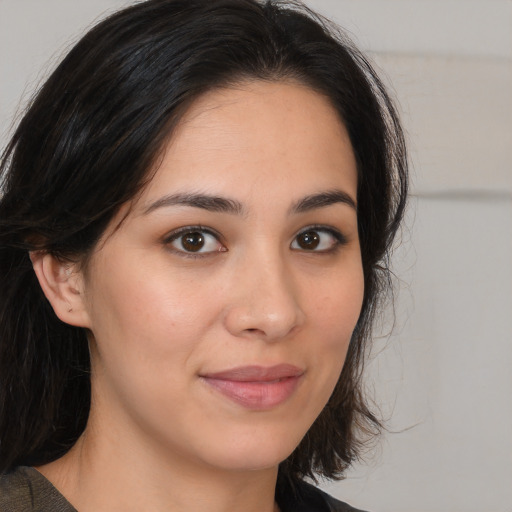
point(340, 238)
point(175, 234)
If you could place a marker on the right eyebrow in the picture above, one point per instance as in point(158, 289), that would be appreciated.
point(195, 200)
point(323, 199)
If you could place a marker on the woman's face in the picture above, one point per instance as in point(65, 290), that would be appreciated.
point(222, 307)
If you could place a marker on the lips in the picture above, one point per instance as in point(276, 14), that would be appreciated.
point(256, 387)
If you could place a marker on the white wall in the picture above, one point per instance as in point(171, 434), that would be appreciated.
point(445, 375)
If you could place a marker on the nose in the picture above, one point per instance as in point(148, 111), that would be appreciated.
point(264, 301)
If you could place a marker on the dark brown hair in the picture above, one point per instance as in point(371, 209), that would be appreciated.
point(86, 145)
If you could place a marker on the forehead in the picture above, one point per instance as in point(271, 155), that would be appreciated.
point(257, 136)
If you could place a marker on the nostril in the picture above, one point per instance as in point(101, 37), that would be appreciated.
point(253, 330)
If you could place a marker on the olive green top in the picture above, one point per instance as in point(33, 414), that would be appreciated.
point(27, 490)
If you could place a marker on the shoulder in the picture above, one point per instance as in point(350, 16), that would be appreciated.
point(304, 497)
point(25, 490)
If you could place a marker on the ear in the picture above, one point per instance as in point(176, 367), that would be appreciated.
point(62, 283)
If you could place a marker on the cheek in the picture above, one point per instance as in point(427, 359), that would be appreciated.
point(151, 320)
point(145, 302)
point(334, 312)
point(336, 307)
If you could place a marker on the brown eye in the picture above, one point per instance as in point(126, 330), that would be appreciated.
point(309, 240)
point(318, 240)
point(192, 242)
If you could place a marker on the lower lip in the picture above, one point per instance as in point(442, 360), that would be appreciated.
point(258, 395)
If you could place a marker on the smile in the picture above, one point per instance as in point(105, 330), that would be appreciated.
point(256, 387)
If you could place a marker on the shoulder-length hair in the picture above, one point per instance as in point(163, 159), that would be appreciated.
point(89, 142)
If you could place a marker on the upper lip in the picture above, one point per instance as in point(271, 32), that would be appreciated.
point(255, 373)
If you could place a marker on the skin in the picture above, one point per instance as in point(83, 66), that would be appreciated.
point(159, 437)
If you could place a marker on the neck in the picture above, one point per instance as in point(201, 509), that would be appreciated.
point(102, 474)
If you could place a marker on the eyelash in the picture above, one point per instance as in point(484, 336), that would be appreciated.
point(175, 235)
point(339, 240)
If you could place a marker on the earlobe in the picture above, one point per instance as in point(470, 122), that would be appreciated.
point(62, 284)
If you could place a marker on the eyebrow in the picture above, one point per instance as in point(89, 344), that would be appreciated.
point(321, 200)
point(203, 201)
point(225, 205)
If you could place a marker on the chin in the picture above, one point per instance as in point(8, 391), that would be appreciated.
point(255, 460)
point(253, 452)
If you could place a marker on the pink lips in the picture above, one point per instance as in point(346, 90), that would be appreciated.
point(256, 387)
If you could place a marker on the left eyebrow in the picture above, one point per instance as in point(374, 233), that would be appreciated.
point(321, 200)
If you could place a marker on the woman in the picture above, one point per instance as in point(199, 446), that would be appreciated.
point(196, 216)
